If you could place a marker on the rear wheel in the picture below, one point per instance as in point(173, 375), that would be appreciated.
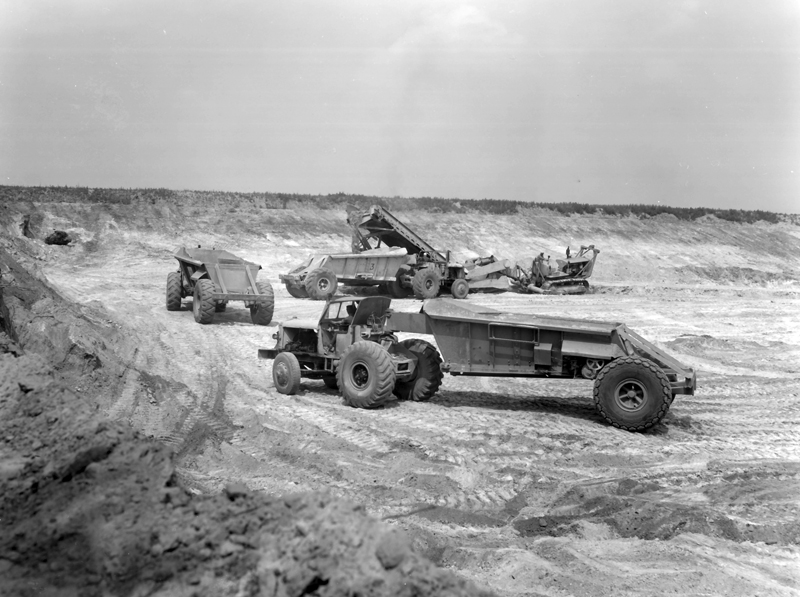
point(396, 288)
point(330, 382)
point(286, 373)
point(366, 375)
point(296, 291)
point(174, 291)
point(632, 393)
point(321, 284)
point(426, 283)
point(261, 311)
point(460, 288)
point(203, 301)
point(428, 375)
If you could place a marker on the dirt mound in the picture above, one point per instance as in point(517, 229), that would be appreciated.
point(90, 505)
point(80, 342)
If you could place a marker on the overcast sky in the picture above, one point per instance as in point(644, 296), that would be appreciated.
point(690, 103)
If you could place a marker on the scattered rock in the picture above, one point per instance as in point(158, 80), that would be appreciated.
point(236, 490)
point(58, 237)
point(392, 549)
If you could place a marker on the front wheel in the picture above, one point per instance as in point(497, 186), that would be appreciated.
point(426, 283)
point(174, 291)
point(296, 290)
point(460, 288)
point(321, 284)
point(286, 373)
point(632, 393)
point(428, 375)
point(203, 301)
point(261, 310)
point(366, 375)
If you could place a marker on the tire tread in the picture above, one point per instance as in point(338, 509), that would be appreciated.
point(385, 374)
point(294, 372)
point(414, 390)
point(311, 284)
point(174, 291)
point(261, 312)
point(203, 292)
point(418, 283)
point(665, 397)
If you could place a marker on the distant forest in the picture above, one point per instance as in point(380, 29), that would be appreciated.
point(342, 200)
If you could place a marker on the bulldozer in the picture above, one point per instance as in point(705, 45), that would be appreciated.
point(565, 276)
point(568, 276)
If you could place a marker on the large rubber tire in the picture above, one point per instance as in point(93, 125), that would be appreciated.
point(396, 289)
point(321, 284)
point(366, 375)
point(460, 288)
point(428, 378)
point(296, 291)
point(330, 382)
point(174, 291)
point(261, 311)
point(203, 301)
point(286, 373)
point(426, 283)
point(632, 393)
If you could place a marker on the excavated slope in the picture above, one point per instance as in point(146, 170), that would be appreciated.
point(653, 251)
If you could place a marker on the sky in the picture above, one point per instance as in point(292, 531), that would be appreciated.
point(689, 103)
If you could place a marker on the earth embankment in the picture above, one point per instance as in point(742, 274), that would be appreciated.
point(655, 251)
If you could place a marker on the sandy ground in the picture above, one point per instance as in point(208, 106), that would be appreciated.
point(518, 485)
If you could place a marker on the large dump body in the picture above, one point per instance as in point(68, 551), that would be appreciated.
point(213, 278)
point(476, 340)
point(233, 277)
